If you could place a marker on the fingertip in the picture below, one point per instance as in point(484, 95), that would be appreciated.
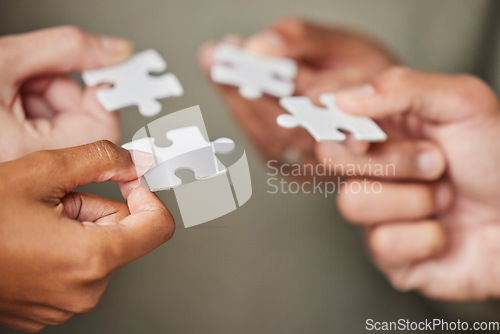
point(139, 197)
point(293, 29)
point(354, 100)
point(268, 43)
point(401, 244)
point(143, 161)
point(323, 151)
point(116, 49)
point(314, 93)
point(206, 55)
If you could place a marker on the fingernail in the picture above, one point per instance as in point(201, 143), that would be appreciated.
point(359, 93)
point(205, 54)
point(143, 161)
point(268, 42)
point(430, 162)
point(116, 46)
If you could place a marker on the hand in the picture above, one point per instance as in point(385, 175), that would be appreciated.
point(333, 56)
point(434, 224)
point(58, 248)
point(40, 106)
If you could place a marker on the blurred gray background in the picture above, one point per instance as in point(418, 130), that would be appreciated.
point(281, 263)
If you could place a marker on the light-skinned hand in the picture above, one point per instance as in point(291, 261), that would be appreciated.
point(40, 106)
point(434, 225)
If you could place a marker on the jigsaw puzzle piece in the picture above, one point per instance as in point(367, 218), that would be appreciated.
point(253, 74)
point(133, 85)
point(202, 162)
point(223, 145)
point(324, 123)
point(189, 150)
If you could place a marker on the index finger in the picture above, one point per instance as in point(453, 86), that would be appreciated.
point(148, 226)
point(58, 50)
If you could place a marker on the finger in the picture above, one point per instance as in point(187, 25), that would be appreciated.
point(323, 46)
point(41, 314)
point(149, 225)
point(402, 244)
point(59, 50)
point(370, 202)
point(92, 208)
point(59, 171)
point(292, 38)
point(333, 80)
point(432, 97)
point(20, 323)
point(258, 116)
point(404, 159)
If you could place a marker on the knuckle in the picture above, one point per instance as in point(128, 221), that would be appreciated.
point(73, 38)
point(423, 200)
point(348, 204)
point(84, 300)
point(106, 150)
point(46, 161)
point(85, 304)
point(94, 269)
point(395, 75)
point(88, 266)
point(167, 226)
point(379, 243)
point(56, 317)
point(472, 92)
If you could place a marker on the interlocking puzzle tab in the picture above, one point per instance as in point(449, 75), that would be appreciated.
point(253, 74)
point(189, 150)
point(324, 123)
point(133, 85)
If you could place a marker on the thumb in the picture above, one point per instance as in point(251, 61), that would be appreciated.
point(148, 226)
point(121, 233)
point(58, 50)
point(55, 173)
point(432, 97)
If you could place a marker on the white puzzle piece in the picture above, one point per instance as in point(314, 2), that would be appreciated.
point(324, 123)
point(190, 150)
point(133, 85)
point(253, 74)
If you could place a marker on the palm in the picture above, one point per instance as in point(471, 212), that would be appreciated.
point(54, 112)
